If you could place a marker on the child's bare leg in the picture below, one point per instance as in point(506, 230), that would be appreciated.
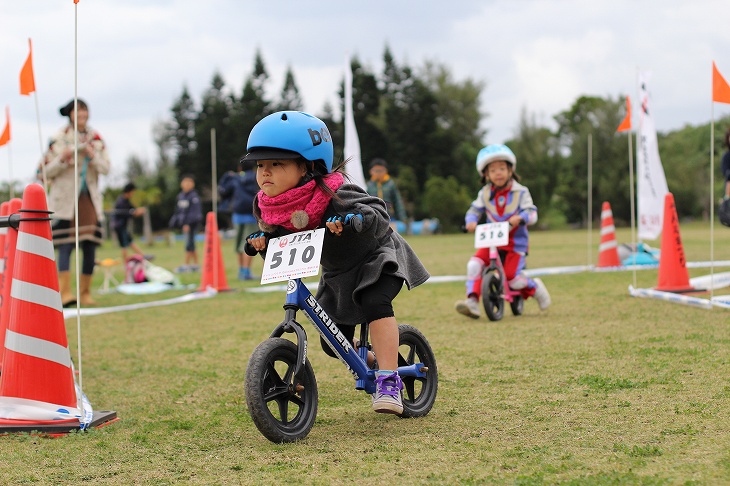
point(136, 249)
point(384, 337)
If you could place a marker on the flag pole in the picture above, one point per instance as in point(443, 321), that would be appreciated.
point(76, 189)
point(590, 199)
point(632, 206)
point(40, 141)
point(712, 200)
point(10, 172)
point(214, 193)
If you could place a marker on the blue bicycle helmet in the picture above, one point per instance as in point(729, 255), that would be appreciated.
point(289, 135)
point(494, 152)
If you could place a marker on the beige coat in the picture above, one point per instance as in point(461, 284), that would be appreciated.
point(60, 174)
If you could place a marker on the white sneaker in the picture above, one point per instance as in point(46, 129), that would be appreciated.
point(386, 398)
point(542, 295)
point(469, 307)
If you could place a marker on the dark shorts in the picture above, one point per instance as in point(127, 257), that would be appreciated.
point(242, 231)
point(125, 239)
point(190, 238)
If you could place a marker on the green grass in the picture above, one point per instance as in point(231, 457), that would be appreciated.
point(602, 389)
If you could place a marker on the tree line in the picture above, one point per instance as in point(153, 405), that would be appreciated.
point(427, 125)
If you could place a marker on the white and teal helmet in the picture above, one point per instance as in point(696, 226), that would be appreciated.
point(494, 152)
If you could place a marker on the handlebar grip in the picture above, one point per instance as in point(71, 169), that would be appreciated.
point(250, 250)
point(355, 222)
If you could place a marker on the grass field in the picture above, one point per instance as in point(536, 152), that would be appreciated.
point(601, 389)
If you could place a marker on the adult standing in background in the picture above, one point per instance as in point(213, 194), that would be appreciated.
point(383, 186)
point(241, 189)
point(65, 190)
point(726, 165)
point(724, 210)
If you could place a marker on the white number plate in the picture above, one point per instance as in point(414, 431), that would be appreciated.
point(293, 256)
point(491, 234)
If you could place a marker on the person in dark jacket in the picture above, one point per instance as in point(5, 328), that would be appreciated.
point(726, 165)
point(123, 211)
point(187, 217)
point(361, 272)
point(241, 189)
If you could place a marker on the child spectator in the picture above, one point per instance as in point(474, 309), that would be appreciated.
point(187, 217)
point(383, 186)
point(501, 199)
point(241, 188)
point(123, 210)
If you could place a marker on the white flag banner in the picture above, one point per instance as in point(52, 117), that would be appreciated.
point(352, 142)
point(651, 182)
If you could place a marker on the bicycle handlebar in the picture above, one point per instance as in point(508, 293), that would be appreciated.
point(464, 230)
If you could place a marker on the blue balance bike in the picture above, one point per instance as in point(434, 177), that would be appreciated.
point(280, 386)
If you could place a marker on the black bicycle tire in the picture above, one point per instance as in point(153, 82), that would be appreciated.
point(492, 299)
point(417, 403)
point(517, 305)
point(263, 384)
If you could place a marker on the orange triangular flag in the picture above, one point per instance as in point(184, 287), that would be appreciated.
point(27, 80)
point(626, 123)
point(5, 137)
point(720, 88)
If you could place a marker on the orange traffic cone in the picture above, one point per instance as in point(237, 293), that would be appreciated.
point(7, 278)
point(214, 273)
point(608, 249)
point(37, 390)
point(673, 275)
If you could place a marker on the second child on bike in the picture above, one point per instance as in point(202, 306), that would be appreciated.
point(502, 198)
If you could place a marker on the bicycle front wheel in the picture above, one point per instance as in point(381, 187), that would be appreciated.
point(492, 298)
point(282, 406)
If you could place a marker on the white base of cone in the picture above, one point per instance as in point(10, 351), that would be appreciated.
point(23, 409)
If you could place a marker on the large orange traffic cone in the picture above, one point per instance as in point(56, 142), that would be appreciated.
point(37, 389)
point(673, 275)
point(214, 272)
point(608, 249)
point(7, 278)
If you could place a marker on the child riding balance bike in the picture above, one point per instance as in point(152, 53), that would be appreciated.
point(362, 272)
point(501, 199)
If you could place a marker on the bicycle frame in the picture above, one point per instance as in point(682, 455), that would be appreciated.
point(298, 297)
point(495, 263)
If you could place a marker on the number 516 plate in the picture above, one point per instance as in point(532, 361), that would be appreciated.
point(293, 256)
point(491, 234)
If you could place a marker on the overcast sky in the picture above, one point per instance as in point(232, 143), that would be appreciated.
point(135, 56)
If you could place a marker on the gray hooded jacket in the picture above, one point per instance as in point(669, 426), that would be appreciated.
point(354, 261)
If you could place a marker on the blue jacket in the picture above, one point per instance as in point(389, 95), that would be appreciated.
point(237, 191)
point(188, 210)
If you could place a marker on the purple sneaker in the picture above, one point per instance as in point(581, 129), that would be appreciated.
point(386, 398)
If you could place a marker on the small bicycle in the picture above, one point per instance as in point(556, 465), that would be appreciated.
point(495, 289)
point(280, 386)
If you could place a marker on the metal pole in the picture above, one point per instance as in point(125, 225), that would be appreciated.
point(590, 199)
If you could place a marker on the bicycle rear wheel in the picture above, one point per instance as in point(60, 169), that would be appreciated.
point(419, 394)
point(517, 305)
point(283, 406)
point(492, 298)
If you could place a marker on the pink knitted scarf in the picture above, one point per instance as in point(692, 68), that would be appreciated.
point(300, 208)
